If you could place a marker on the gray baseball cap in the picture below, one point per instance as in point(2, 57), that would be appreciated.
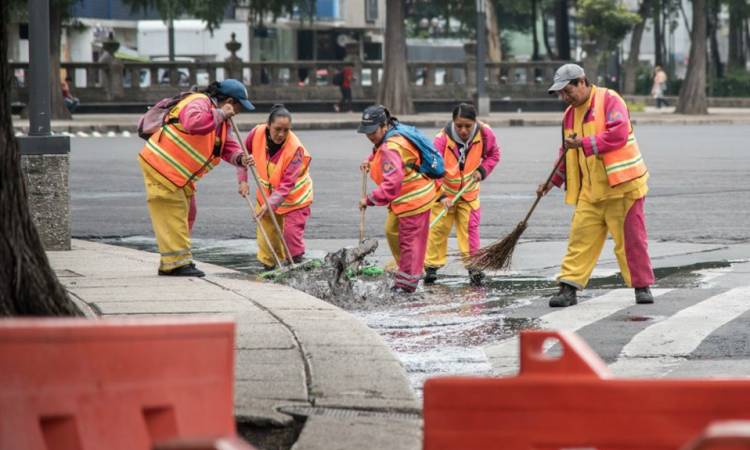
point(564, 75)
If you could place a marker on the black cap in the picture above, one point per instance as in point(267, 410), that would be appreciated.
point(372, 118)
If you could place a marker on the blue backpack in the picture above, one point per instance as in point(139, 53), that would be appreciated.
point(431, 164)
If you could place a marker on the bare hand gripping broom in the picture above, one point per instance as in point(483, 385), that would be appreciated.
point(497, 256)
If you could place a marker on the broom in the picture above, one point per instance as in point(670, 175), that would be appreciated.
point(497, 256)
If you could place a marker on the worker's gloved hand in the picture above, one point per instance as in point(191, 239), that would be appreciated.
point(543, 189)
point(243, 189)
point(248, 160)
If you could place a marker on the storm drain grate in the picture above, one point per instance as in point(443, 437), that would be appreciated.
point(345, 413)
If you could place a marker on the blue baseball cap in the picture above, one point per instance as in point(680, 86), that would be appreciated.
point(372, 118)
point(236, 90)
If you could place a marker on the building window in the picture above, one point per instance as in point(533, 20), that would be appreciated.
point(371, 10)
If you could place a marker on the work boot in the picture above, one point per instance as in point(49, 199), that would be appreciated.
point(643, 296)
point(565, 297)
point(267, 268)
point(298, 259)
point(476, 277)
point(430, 275)
point(183, 271)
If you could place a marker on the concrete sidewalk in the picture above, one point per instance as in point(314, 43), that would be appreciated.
point(105, 123)
point(293, 351)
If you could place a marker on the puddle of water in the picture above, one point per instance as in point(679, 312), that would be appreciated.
point(441, 330)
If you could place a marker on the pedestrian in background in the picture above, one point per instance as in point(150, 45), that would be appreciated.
point(470, 151)
point(194, 139)
point(407, 193)
point(606, 180)
point(659, 87)
point(344, 81)
point(283, 166)
point(70, 102)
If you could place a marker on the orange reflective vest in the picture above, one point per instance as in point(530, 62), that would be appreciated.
point(182, 157)
point(626, 163)
point(455, 177)
point(270, 174)
point(607, 175)
point(417, 190)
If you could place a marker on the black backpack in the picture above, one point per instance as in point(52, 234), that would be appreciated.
point(338, 78)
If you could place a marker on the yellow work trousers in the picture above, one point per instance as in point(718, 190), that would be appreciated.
point(265, 256)
point(588, 232)
point(437, 244)
point(169, 208)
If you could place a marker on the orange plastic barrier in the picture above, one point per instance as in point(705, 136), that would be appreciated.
point(572, 402)
point(75, 384)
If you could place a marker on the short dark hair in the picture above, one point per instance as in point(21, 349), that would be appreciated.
point(466, 111)
point(278, 110)
point(212, 90)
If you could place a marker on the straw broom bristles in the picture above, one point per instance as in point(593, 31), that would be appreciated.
point(497, 256)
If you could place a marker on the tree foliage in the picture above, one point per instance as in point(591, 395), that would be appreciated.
point(603, 25)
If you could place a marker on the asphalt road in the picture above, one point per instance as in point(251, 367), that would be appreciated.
point(699, 188)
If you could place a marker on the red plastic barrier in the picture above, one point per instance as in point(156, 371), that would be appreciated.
point(727, 435)
point(571, 402)
point(74, 384)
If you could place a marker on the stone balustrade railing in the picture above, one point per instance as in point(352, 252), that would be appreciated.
point(125, 81)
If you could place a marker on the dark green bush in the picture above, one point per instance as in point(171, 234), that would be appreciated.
point(734, 84)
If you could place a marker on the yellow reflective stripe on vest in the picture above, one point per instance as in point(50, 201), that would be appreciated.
point(172, 162)
point(624, 164)
point(200, 159)
point(419, 192)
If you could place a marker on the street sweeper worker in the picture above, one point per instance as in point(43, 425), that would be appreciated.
point(470, 151)
point(283, 166)
point(408, 194)
point(605, 178)
point(194, 139)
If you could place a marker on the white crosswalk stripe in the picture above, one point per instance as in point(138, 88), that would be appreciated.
point(663, 346)
point(504, 355)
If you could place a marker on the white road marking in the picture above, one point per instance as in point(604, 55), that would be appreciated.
point(660, 348)
point(504, 355)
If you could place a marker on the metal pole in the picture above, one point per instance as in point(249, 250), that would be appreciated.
point(39, 80)
point(482, 101)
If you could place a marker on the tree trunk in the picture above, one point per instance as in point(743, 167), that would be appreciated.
point(658, 40)
point(28, 286)
point(737, 17)
point(562, 30)
point(57, 12)
point(394, 88)
point(717, 68)
point(545, 38)
point(494, 50)
point(534, 17)
point(693, 91)
point(631, 65)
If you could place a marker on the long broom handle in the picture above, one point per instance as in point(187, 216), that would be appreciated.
point(263, 194)
point(262, 230)
point(458, 195)
point(362, 210)
point(539, 195)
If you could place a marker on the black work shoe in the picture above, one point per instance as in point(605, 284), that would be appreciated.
point(298, 259)
point(643, 296)
point(476, 277)
point(183, 271)
point(565, 297)
point(267, 268)
point(430, 275)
